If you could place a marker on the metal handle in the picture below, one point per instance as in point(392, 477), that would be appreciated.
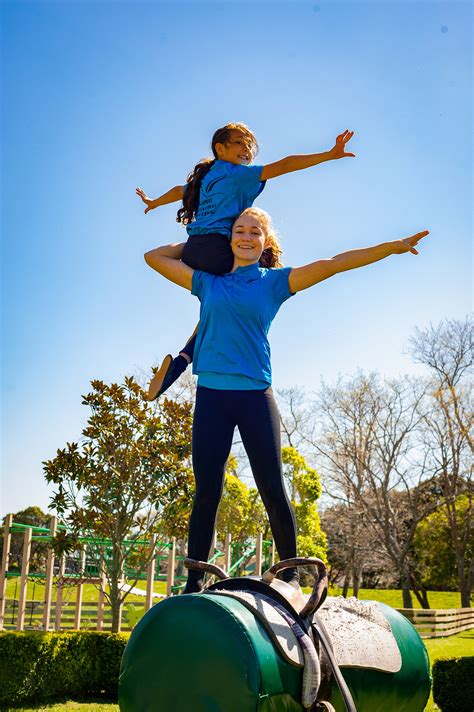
point(320, 587)
point(204, 566)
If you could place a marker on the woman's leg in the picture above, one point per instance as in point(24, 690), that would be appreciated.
point(259, 426)
point(213, 429)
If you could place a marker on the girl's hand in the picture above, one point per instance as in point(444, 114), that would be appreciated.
point(150, 204)
point(408, 243)
point(338, 149)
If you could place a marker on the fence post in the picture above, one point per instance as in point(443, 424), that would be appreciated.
point(273, 552)
point(171, 563)
point(78, 610)
point(100, 603)
point(48, 584)
point(150, 576)
point(59, 593)
point(5, 562)
point(227, 552)
point(258, 554)
point(25, 569)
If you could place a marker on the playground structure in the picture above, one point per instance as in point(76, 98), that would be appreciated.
point(69, 574)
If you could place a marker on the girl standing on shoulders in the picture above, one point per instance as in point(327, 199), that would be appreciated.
point(216, 192)
point(232, 362)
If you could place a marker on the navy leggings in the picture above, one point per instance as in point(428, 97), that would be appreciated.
point(216, 415)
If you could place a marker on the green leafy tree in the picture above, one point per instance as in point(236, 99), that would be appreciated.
point(433, 547)
point(126, 480)
point(305, 490)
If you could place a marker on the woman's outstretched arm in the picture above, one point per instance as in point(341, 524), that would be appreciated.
point(166, 261)
point(303, 277)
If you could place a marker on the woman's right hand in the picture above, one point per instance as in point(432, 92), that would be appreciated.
point(150, 204)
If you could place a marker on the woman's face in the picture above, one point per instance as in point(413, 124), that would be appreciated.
point(248, 240)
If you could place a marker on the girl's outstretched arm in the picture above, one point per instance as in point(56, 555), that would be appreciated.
point(171, 196)
point(170, 267)
point(303, 277)
point(297, 163)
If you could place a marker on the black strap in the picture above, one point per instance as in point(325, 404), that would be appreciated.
point(341, 683)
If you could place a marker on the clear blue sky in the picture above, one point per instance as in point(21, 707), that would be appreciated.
point(100, 97)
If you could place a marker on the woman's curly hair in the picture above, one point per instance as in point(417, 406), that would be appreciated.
point(272, 251)
point(187, 213)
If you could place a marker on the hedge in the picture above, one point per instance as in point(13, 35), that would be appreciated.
point(453, 684)
point(37, 667)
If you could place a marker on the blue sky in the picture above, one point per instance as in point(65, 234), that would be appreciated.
point(100, 97)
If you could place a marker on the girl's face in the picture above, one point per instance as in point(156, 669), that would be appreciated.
point(248, 240)
point(237, 150)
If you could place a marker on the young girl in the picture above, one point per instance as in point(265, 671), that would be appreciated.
point(216, 191)
point(232, 361)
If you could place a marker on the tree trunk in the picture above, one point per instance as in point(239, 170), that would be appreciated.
point(355, 582)
point(407, 599)
point(345, 588)
point(465, 581)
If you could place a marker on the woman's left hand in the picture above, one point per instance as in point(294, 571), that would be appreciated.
point(338, 150)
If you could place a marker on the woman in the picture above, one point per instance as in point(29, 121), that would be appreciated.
point(232, 361)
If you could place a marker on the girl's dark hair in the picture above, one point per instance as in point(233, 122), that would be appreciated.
point(187, 213)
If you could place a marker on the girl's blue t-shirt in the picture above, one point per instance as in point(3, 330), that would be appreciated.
point(226, 190)
point(237, 309)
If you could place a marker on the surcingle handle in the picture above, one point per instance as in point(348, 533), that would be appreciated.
point(320, 588)
point(204, 566)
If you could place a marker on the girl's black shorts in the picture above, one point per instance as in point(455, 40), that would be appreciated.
point(209, 253)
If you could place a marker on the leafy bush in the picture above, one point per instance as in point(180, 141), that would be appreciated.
point(36, 667)
point(453, 684)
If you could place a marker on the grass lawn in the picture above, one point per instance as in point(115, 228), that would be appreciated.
point(90, 593)
point(392, 597)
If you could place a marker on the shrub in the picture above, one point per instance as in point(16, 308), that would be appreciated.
point(453, 684)
point(36, 667)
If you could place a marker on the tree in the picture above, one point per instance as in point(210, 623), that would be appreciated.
point(353, 554)
point(305, 490)
point(448, 417)
point(125, 482)
point(433, 547)
point(366, 444)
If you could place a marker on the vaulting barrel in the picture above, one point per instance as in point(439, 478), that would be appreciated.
point(251, 645)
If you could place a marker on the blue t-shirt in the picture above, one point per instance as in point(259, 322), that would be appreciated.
point(226, 190)
point(237, 309)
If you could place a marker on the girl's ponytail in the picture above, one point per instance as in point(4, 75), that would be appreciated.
point(187, 213)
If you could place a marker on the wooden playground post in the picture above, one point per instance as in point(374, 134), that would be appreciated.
point(48, 584)
point(150, 576)
point(78, 609)
point(25, 569)
point(5, 562)
point(59, 594)
point(100, 604)
point(227, 552)
point(171, 564)
point(258, 554)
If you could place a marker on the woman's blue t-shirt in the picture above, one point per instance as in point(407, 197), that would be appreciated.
point(226, 190)
point(237, 309)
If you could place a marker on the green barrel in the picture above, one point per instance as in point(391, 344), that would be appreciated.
point(404, 691)
point(209, 653)
point(205, 653)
